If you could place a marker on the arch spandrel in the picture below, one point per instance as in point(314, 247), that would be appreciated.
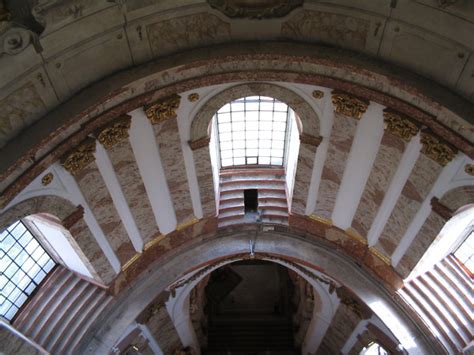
point(310, 124)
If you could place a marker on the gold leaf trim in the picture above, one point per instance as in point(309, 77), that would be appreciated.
point(80, 157)
point(115, 133)
point(380, 255)
point(47, 179)
point(469, 169)
point(349, 105)
point(318, 94)
point(187, 224)
point(193, 97)
point(351, 232)
point(322, 220)
point(163, 110)
point(437, 150)
point(130, 261)
point(400, 125)
point(154, 241)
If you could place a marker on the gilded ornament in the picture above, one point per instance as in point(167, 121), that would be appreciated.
point(193, 97)
point(380, 255)
point(163, 110)
point(351, 232)
point(469, 168)
point(399, 125)
point(435, 149)
point(47, 179)
point(318, 94)
point(322, 220)
point(80, 157)
point(349, 105)
point(115, 133)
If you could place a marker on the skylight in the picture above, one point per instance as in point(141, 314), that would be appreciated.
point(23, 265)
point(252, 131)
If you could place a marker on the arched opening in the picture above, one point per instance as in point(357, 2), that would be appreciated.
point(254, 148)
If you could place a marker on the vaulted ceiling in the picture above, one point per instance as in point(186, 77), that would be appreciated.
point(104, 124)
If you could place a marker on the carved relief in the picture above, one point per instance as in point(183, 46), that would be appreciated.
point(80, 157)
point(469, 169)
point(193, 97)
point(349, 105)
point(355, 305)
point(318, 94)
point(163, 109)
point(115, 133)
point(437, 150)
point(337, 29)
point(400, 125)
point(13, 38)
point(187, 32)
point(255, 9)
point(18, 110)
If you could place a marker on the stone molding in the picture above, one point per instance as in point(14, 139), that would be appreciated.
point(80, 157)
point(436, 149)
point(349, 105)
point(256, 9)
point(441, 209)
point(199, 143)
point(400, 125)
point(115, 133)
point(310, 140)
point(351, 301)
point(73, 218)
point(163, 109)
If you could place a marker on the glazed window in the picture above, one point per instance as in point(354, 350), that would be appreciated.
point(465, 252)
point(23, 265)
point(252, 131)
point(374, 349)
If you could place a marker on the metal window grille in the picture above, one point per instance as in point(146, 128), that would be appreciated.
point(23, 265)
point(252, 131)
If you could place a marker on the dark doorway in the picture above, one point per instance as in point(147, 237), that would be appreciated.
point(251, 200)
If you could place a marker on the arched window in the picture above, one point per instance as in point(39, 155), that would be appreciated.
point(253, 131)
point(465, 252)
point(374, 348)
point(24, 263)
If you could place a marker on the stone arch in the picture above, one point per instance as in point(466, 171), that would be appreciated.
point(179, 307)
point(53, 205)
point(429, 237)
point(309, 118)
point(164, 271)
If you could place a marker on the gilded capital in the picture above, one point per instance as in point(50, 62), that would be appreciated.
point(400, 125)
point(80, 157)
point(115, 133)
point(163, 110)
point(349, 105)
point(437, 150)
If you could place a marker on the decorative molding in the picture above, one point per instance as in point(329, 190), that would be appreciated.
point(47, 179)
point(351, 232)
point(400, 125)
point(322, 220)
point(186, 224)
point(154, 241)
point(80, 157)
point(357, 306)
point(193, 97)
point(380, 255)
point(310, 140)
point(318, 94)
point(256, 9)
point(441, 209)
point(115, 133)
point(349, 105)
point(199, 143)
point(163, 110)
point(436, 149)
point(131, 261)
point(469, 169)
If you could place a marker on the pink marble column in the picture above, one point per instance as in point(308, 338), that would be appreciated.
point(385, 165)
point(203, 166)
point(304, 172)
point(340, 143)
point(82, 165)
point(88, 248)
point(162, 115)
point(115, 140)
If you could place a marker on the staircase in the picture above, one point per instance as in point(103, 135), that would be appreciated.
point(244, 337)
point(272, 200)
point(443, 298)
point(61, 311)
